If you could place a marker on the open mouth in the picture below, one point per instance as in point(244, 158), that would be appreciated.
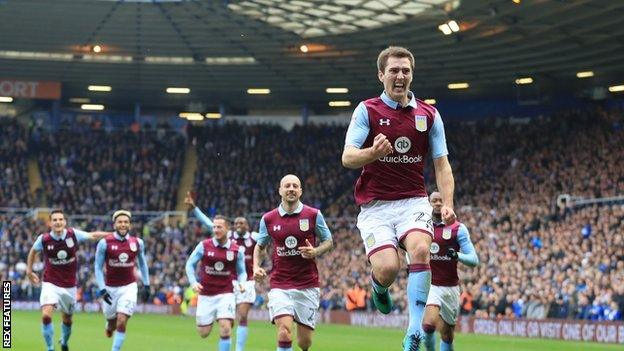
point(398, 86)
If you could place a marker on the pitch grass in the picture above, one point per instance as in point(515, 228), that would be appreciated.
point(149, 332)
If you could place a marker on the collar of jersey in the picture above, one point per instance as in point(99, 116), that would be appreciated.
point(393, 104)
point(58, 238)
point(283, 212)
point(216, 243)
point(119, 237)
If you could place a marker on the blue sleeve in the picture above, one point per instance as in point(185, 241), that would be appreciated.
point(203, 218)
point(100, 253)
point(437, 139)
point(322, 230)
point(468, 255)
point(240, 266)
point(358, 128)
point(81, 236)
point(143, 264)
point(38, 246)
point(263, 236)
point(191, 263)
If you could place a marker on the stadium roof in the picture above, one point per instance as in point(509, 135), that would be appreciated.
point(221, 48)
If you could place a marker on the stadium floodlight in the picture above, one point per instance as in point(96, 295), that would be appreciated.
point(430, 101)
point(104, 88)
point(444, 28)
point(453, 86)
point(178, 90)
point(584, 74)
point(92, 107)
point(304, 48)
point(97, 49)
point(258, 91)
point(616, 88)
point(337, 90)
point(191, 116)
point(6, 99)
point(213, 115)
point(453, 25)
point(339, 103)
point(525, 80)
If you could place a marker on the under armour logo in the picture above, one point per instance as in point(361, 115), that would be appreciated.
point(50, 247)
point(210, 253)
point(384, 122)
point(277, 227)
point(114, 247)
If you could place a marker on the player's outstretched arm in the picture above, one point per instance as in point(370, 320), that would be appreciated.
point(258, 256)
point(145, 294)
point(446, 185)
point(94, 236)
point(262, 239)
point(100, 253)
point(190, 203)
point(354, 158)
point(190, 265)
point(468, 254)
point(32, 255)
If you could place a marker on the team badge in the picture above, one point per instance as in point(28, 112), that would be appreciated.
point(446, 233)
point(229, 255)
point(421, 123)
point(69, 242)
point(133, 247)
point(370, 240)
point(304, 225)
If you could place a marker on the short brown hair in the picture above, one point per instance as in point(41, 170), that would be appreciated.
point(393, 51)
point(57, 210)
point(224, 218)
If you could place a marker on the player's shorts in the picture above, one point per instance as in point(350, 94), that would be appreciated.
point(384, 224)
point(249, 295)
point(62, 298)
point(447, 298)
point(302, 304)
point(124, 300)
point(215, 307)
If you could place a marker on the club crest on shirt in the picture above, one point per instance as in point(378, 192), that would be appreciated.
point(446, 233)
point(421, 123)
point(133, 247)
point(229, 255)
point(370, 240)
point(69, 242)
point(304, 225)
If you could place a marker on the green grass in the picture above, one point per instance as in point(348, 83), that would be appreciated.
point(161, 333)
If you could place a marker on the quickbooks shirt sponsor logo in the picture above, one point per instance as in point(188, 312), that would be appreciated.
point(401, 159)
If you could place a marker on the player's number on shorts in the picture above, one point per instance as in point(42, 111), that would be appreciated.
point(423, 217)
point(312, 316)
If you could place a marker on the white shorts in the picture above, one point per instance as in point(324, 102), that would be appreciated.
point(211, 308)
point(447, 298)
point(249, 295)
point(384, 224)
point(62, 298)
point(124, 300)
point(302, 304)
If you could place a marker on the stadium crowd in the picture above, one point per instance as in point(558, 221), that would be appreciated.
point(13, 165)
point(92, 170)
point(538, 260)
